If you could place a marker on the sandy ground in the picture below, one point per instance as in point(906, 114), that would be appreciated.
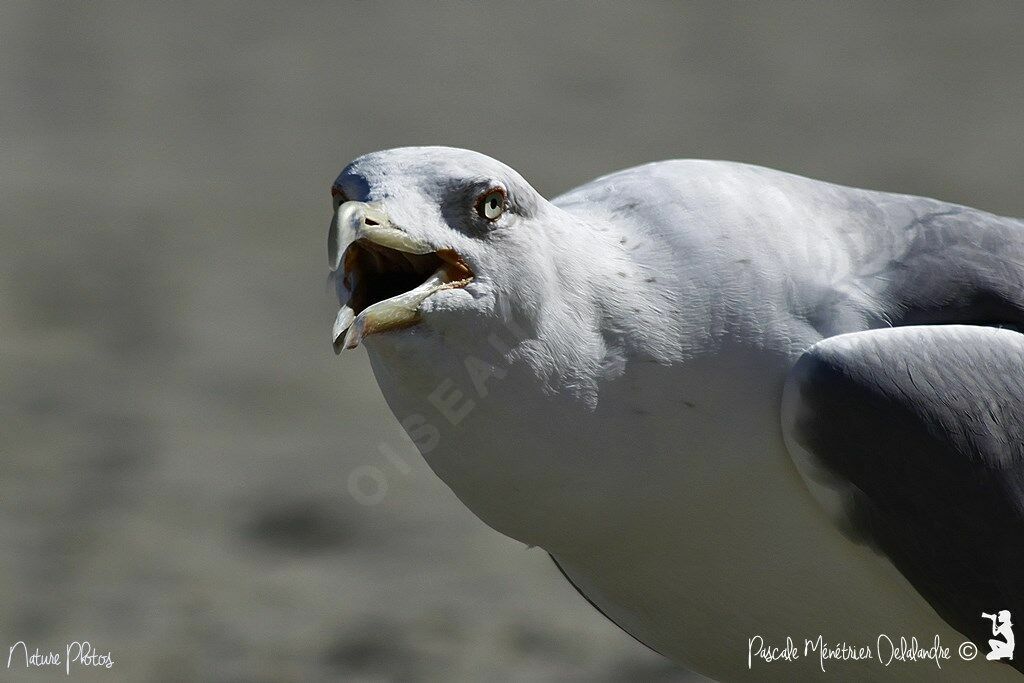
point(176, 434)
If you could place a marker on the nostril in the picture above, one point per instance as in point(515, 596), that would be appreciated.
point(370, 221)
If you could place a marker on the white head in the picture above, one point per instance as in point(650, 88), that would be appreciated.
point(403, 215)
point(438, 245)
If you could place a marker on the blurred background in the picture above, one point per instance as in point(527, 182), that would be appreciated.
point(177, 436)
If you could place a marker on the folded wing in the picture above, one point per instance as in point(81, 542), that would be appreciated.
point(913, 438)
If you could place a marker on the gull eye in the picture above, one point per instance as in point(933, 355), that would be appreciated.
point(491, 204)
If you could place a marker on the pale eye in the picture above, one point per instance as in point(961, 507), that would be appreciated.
point(491, 205)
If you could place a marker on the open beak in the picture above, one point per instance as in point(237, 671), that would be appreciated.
point(385, 273)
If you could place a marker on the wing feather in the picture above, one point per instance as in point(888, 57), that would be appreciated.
point(914, 438)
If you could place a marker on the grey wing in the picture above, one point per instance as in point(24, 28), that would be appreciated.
point(914, 438)
point(942, 263)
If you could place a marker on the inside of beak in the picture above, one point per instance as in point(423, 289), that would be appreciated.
point(385, 287)
point(375, 273)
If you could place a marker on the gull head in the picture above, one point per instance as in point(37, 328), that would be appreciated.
point(426, 238)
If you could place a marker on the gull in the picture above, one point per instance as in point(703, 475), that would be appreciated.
point(735, 405)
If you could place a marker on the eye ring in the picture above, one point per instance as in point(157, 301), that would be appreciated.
point(492, 204)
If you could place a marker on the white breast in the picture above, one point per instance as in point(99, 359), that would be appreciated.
point(675, 507)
